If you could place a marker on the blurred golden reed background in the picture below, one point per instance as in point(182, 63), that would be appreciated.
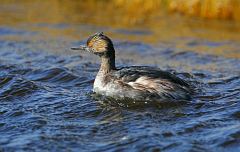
point(166, 20)
point(124, 11)
point(211, 9)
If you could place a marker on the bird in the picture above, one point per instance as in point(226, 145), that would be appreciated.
point(138, 83)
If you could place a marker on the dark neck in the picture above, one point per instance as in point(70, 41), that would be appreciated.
point(107, 63)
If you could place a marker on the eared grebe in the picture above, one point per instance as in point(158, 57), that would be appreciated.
point(141, 83)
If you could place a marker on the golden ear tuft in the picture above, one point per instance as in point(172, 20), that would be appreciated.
point(97, 44)
point(100, 45)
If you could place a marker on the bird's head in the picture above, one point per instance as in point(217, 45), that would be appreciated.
point(98, 44)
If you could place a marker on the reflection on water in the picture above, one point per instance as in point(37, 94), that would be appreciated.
point(45, 95)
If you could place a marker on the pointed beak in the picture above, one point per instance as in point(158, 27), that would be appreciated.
point(82, 48)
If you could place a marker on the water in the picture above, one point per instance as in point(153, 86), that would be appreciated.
point(46, 102)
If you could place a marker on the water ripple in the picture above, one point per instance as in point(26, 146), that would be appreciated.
point(46, 103)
